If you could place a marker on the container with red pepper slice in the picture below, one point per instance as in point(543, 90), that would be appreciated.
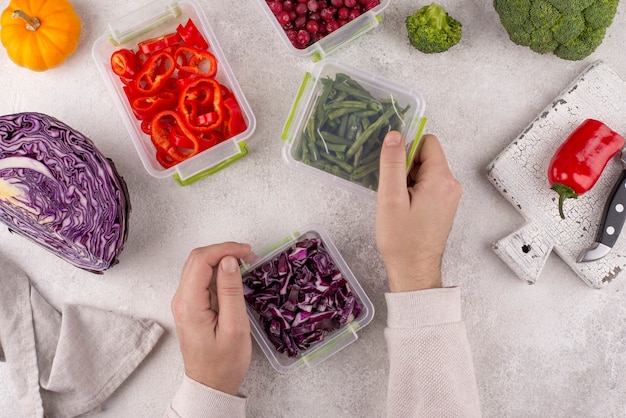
point(165, 142)
point(580, 160)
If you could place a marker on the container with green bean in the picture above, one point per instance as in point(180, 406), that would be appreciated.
point(339, 120)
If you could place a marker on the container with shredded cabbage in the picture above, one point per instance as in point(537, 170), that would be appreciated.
point(303, 301)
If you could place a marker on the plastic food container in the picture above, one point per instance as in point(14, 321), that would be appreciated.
point(348, 112)
point(320, 49)
point(334, 340)
point(151, 21)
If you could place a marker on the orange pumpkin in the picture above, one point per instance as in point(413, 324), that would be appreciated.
point(39, 34)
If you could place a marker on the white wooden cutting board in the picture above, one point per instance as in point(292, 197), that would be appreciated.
point(519, 172)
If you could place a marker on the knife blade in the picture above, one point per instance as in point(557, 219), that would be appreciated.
point(612, 219)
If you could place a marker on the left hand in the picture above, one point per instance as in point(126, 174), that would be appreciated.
point(215, 343)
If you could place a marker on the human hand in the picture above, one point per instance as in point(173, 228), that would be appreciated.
point(413, 220)
point(215, 343)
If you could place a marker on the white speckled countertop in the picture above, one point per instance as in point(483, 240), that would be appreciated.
point(556, 349)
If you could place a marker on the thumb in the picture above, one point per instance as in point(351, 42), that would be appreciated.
point(392, 181)
point(232, 314)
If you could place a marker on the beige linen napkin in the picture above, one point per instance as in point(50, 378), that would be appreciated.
point(65, 363)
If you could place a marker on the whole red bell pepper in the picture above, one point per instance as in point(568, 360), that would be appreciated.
point(578, 163)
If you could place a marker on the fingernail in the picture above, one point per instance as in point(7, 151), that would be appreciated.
point(393, 138)
point(229, 264)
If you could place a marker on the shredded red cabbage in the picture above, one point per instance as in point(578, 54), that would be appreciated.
point(300, 296)
point(59, 191)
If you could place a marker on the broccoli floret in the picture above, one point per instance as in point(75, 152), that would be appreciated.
point(431, 29)
point(571, 29)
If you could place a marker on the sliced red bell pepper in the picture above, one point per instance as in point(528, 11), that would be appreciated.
point(192, 36)
point(150, 46)
point(234, 123)
point(124, 63)
point(206, 92)
point(195, 61)
point(164, 126)
point(154, 74)
point(147, 106)
point(146, 127)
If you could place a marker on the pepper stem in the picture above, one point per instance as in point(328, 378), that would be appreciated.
point(32, 22)
point(565, 192)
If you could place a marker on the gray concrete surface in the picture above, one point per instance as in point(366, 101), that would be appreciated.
point(556, 349)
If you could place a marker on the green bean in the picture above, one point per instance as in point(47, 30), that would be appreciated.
point(374, 143)
point(374, 156)
point(336, 113)
point(335, 139)
point(336, 147)
point(347, 103)
point(364, 170)
point(343, 126)
point(353, 126)
point(310, 128)
point(313, 150)
point(367, 113)
point(349, 90)
point(364, 136)
point(357, 157)
point(337, 161)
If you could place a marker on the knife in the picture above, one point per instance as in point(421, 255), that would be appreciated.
point(612, 220)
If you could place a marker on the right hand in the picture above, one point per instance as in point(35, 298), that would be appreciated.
point(413, 221)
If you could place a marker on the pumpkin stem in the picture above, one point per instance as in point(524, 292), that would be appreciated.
point(32, 23)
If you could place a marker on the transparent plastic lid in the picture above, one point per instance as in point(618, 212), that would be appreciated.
point(339, 119)
point(334, 340)
point(157, 19)
point(329, 43)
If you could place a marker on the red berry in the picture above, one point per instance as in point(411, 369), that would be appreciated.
point(371, 4)
point(276, 7)
point(283, 17)
point(328, 13)
point(312, 26)
point(354, 13)
point(303, 37)
point(287, 5)
point(337, 3)
point(343, 13)
point(332, 25)
point(350, 3)
point(301, 9)
point(300, 22)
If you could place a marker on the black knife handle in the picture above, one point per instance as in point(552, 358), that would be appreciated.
point(614, 213)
